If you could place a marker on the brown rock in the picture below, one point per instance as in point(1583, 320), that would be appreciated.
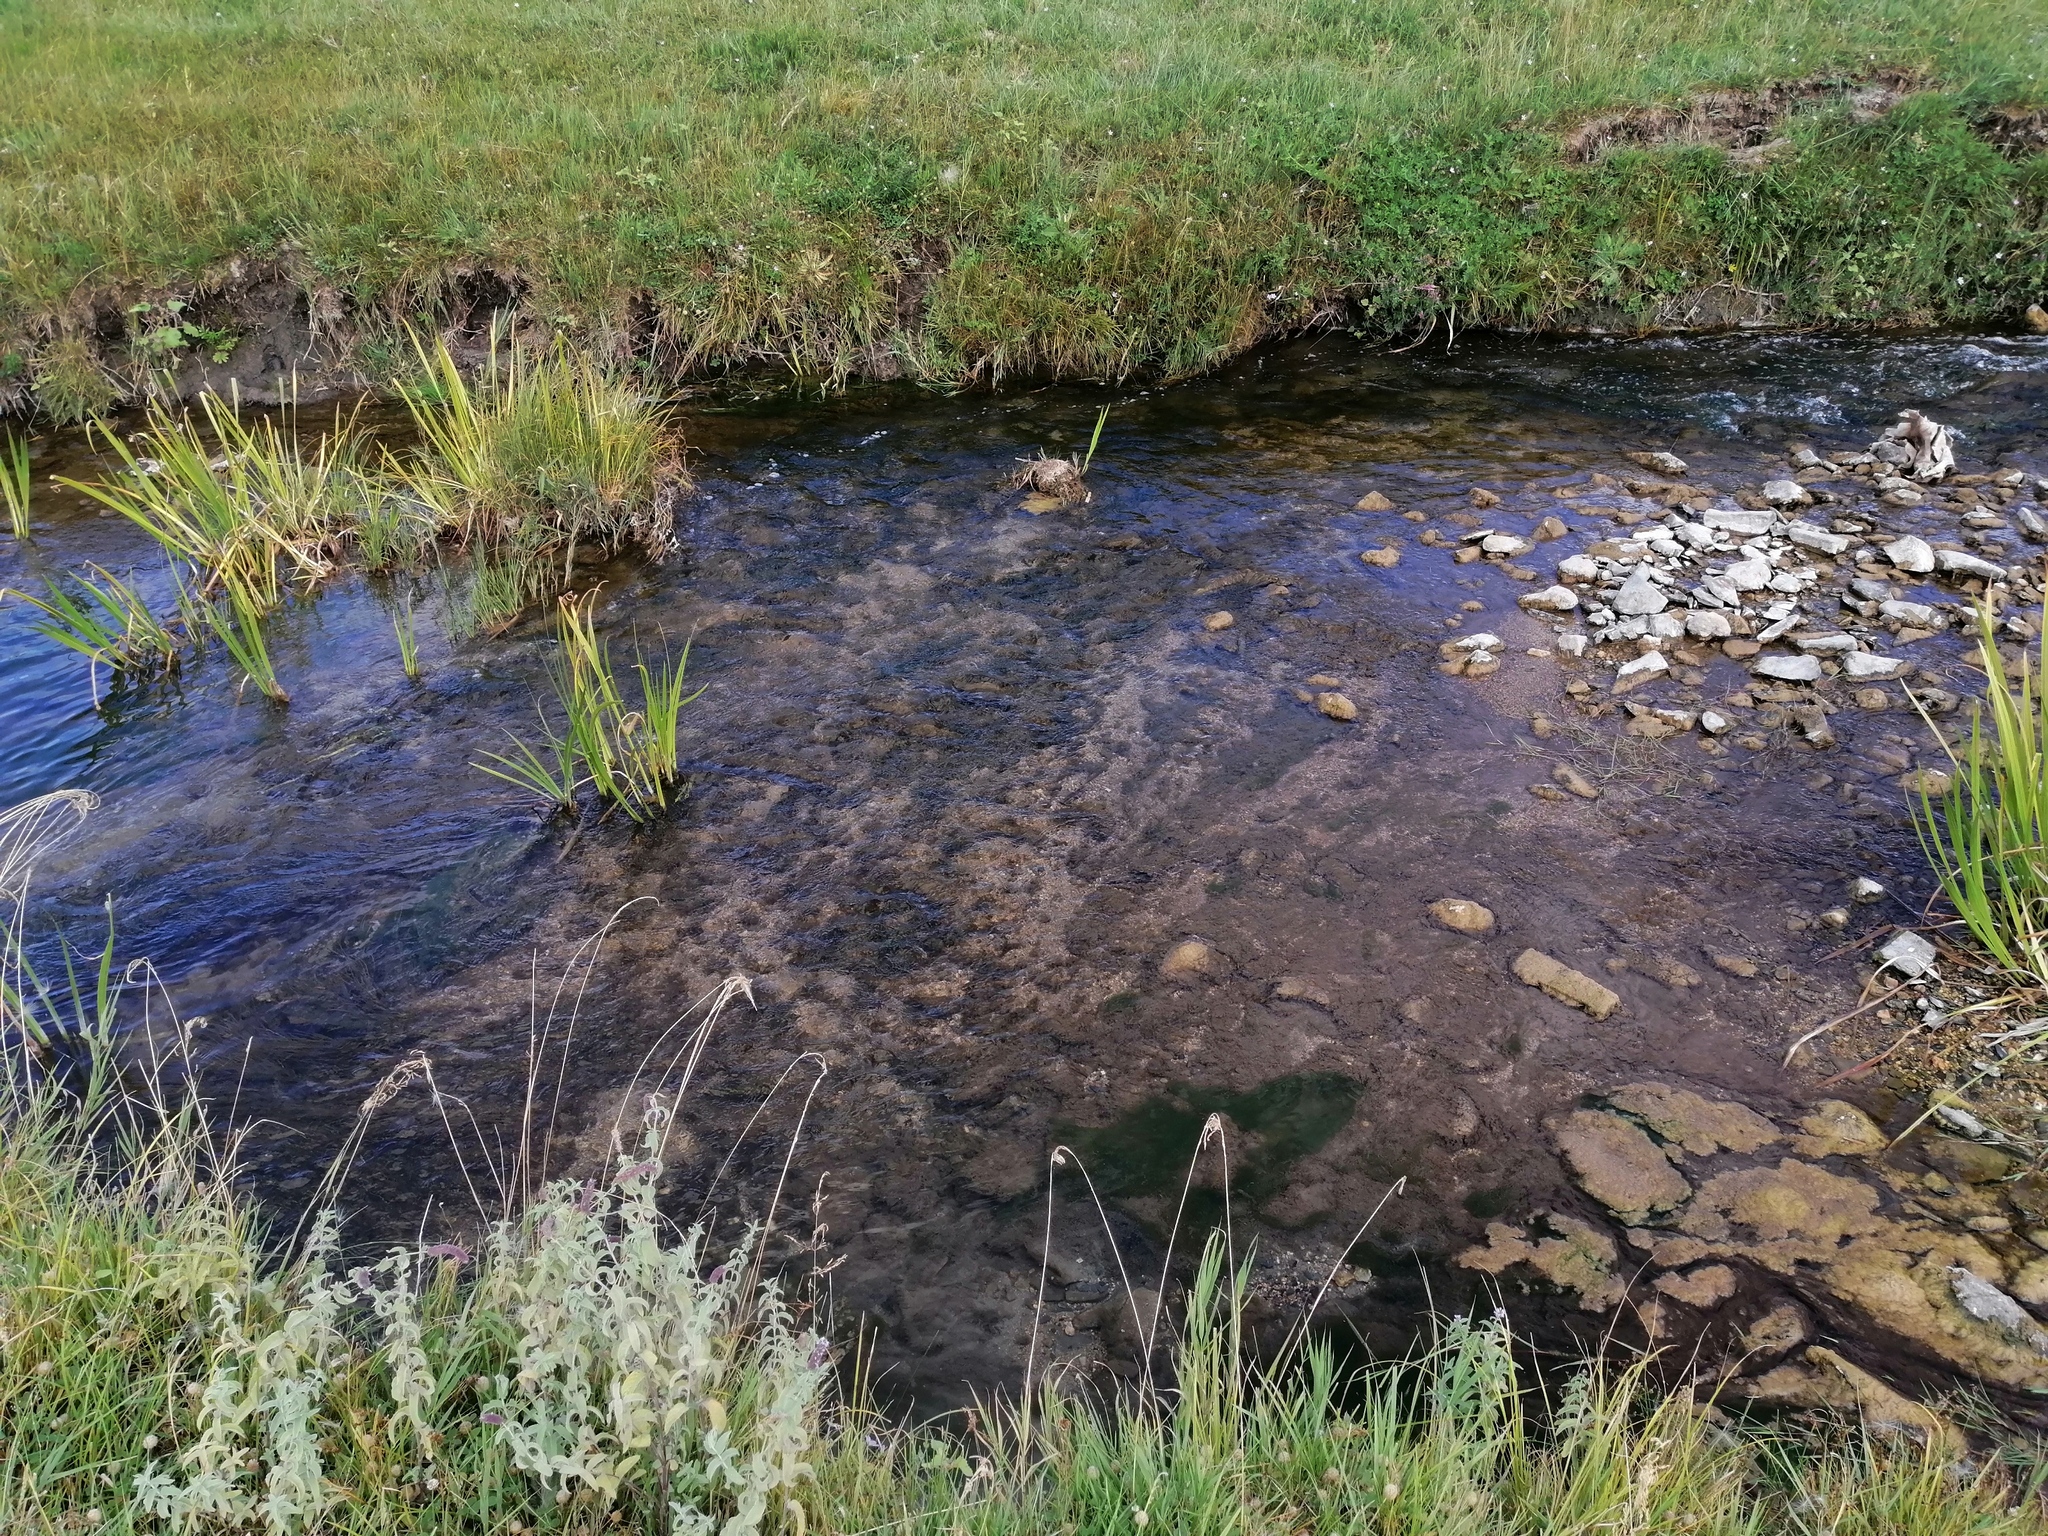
point(1967, 1162)
point(1706, 1287)
point(1189, 958)
point(1827, 1381)
point(1785, 1327)
point(1381, 557)
point(1833, 1128)
point(1462, 916)
point(1336, 706)
point(1221, 619)
point(2030, 1285)
point(1740, 650)
point(1700, 1125)
point(1552, 527)
point(1615, 1163)
point(1575, 781)
point(2037, 319)
point(1482, 497)
point(1735, 965)
point(1372, 501)
point(1536, 969)
point(1292, 989)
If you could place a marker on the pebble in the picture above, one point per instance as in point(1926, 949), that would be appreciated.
point(1372, 501)
point(1714, 723)
point(1462, 916)
point(1552, 527)
point(1751, 575)
point(1381, 557)
point(1191, 957)
point(1932, 782)
point(1746, 523)
point(1640, 595)
point(1645, 668)
point(1873, 699)
point(1534, 968)
point(1790, 669)
point(1907, 953)
point(1559, 599)
point(1911, 554)
point(1221, 619)
point(1806, 536)
point(1861, 666)
point(1578, 568)
point(1902, 496)
point(1664, 463)
point(1787, 493)
point(1482, 497)
point(1336, 706)
point(1919, 615)
point(1572, 644)
point(1956, 562)
point(1705, 624)
point(1863, 890)
point(1735, 965)
point(1504, 544)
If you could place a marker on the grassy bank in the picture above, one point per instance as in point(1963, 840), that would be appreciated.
point(959, 190)
point(585, 1366)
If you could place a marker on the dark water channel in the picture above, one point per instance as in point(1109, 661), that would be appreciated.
point(965, 775)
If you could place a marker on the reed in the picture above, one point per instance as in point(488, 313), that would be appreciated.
point(236, 620)
point(110, 624)
point(1987, 833)
point(627, 754)
point(408, 638)
point(14, 484)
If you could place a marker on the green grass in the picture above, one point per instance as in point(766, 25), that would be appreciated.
point(1987, 833)
point(14, 484)
point(967, 188)
point(168, 1364)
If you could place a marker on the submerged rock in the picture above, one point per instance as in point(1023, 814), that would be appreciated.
point(1336, 706)
point(1701, 1126)
point(1572, 1255)
point(1534, 968)
point(1462, 916)
point(1617, 1164)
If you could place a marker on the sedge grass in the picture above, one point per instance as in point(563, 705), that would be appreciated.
point(236, 620)
point(14, 484)
point(626, 752)
point(110, 624)
point(166, 1365)
point(408, 638)
point(1986, 834)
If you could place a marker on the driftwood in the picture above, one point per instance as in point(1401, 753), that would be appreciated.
point(1918, 445)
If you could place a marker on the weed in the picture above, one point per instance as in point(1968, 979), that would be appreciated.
point(237, 621)
point(408, 639)
point(110, 625)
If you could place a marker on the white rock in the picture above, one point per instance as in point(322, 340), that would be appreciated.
point(1862, 667)
point(1681, 719)
point(1750, 575)
point(1908, 954)
point(1789, 582)
point(1640, 595)
point(1483, 641)
point(1863, 890)
point(1955, 562)
point(1645, 666)
point(1708, 626)
point(1784, 623)
point(1720, 590)
point(1665, 626)
point(1825, 645)
point(1668, 547)
point(1714, 723)
point(1911, 554)
point(1807, 536)
point(1578, 568)
point(1991, 1306)
point(1504, 544)
point(1733, 520)
point(1919, 615)
point(1550, 600)
point(1789, 669)
point(1902, 496)
point(1664, 463)
point(1698, 535)
point(1787, 493)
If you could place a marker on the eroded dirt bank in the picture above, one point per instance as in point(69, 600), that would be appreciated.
point(1030, 850)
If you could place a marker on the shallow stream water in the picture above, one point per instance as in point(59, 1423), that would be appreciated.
point(964, 776)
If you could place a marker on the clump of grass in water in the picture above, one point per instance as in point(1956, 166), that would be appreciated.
point(540, 457)
point(1987, 834)
point(110, 625)
point(408, 638)
point(627, 755)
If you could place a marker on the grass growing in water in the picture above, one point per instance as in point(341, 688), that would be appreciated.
point(109, 625)
point(408, 638)
point(1987, 833)
point(587, 1367)
point(628, 755)
point(14, 484)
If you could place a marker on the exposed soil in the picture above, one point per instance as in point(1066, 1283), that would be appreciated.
point(1744, 122)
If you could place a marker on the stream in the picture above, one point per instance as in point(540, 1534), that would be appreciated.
point(1018, 852)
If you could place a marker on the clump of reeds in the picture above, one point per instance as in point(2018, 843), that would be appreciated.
point(1987, 833)
point(625, 751)
point(109, 623)
point(541, 457)
point(1061, 480)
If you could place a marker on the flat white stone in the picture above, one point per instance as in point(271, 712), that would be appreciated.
point(1787, 493)
point(1789, 669)
point(1955, 562)
point(1550, 599)
point(1911, 554)
point(1751, 575)
point(1640, 595)
point(1708, 626)
point(1649, 664)
point(1861, 666)
point(1807, 536)
point(1734, 520)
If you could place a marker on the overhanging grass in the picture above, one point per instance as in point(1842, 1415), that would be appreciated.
point(966, 187)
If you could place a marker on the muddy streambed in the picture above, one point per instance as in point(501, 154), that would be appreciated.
point(1024, 851)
